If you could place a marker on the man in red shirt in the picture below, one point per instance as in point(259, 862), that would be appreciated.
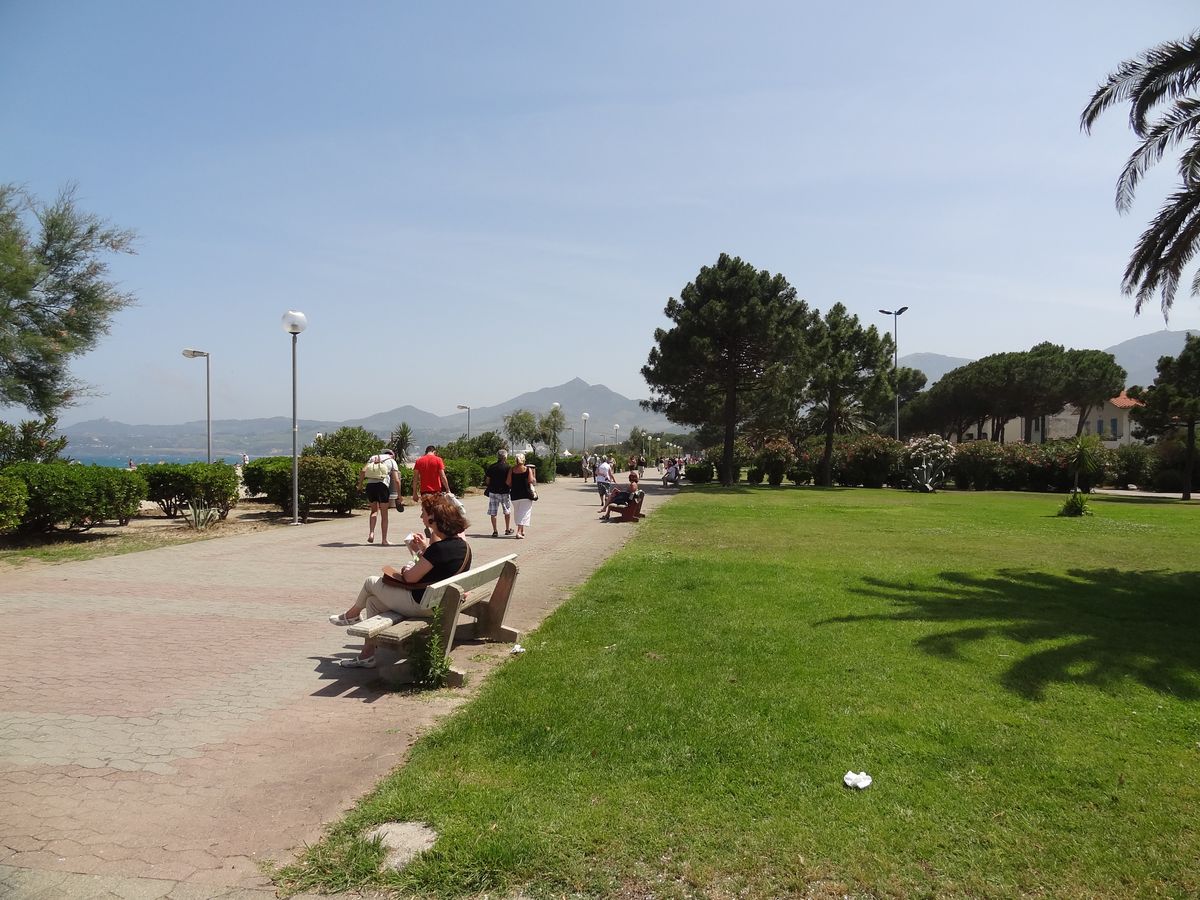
point(429, 475)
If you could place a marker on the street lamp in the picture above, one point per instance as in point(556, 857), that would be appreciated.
point(585, 418)
point(195, 354)
point(468, 409)
point(571, 428)
point(293, 323)
point(896, 357)
point(616, 428)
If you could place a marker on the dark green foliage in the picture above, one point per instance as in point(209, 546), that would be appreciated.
point(401, 440)
point(325, 482)
point(700, 473)
point(1163, 76)
point(870, 460)
point(482, 446)
point(170, 486)
point(1075, 505)
point(215, 485)
point(1172, 403)
point(986, 466)
point(1092, 377)
point(975, 465)
point(14, 499)
point(77, 497)
point(735, 352)
point(571, 466)
point(521, 428)
point(1133, 464)
point(55, 303)
point(353, 443)
point(31, 441)
point(254, 473)
point(463, 474)
point(850, 367)
point(755, 475)
point(1168, 481)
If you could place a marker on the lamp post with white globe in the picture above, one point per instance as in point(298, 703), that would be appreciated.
point(585, 418)
point(294, 323)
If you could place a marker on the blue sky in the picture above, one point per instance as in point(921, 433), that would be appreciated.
point(473, 200)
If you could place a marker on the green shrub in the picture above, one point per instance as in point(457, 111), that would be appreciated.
point(325, 482)
point(1168, 481)
point(254, 473)
point(354, 444)
point(170, 486)
point(215, 485)
point(14, 498)
point(1133, 465)
point(570, 467)
point(808, 458)
point(76, 496)
point(774, 459)
point(1075, 505)
point(871, 460)
point(463, 474)
point(755, 475)
point(700, 473)
point(975, 464)
point(1171, 453)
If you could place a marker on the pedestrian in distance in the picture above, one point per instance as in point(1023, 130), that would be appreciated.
point(521, 483)
point(498, 492)
point(380, 474)
point(429, 475)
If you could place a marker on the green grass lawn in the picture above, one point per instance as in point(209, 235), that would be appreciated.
point(1023, 688)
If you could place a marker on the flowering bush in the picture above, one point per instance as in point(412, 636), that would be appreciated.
point(975, 465)
point(926, 461)
point(774, 459)
point(868, 459)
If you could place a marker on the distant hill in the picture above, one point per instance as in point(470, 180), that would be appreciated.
point(273, 436)
point(934, 365)
point(1140, 355)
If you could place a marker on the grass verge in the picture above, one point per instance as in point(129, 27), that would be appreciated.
point(1022, 687)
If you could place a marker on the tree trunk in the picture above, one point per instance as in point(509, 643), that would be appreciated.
point(726, 472)
point(825, 472)
point(1189, 464)
point(1083, 414)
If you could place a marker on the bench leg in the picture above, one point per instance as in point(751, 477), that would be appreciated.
point(491, 620)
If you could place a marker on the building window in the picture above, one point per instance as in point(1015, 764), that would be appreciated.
point(1114, 427)
point(1099, 426)
point(1037, 424)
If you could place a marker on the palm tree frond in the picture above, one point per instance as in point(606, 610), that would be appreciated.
point(1164, 249)
point(1180, 122)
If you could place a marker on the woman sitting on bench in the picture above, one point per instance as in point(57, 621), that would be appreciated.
point(620, 496)
point(441, 556)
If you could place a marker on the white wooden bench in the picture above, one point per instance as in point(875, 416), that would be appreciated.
point(486, 606)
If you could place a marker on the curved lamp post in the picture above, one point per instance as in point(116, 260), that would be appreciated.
point(196, 354)
point(896, 314)
point(585, 418)
point(468, 409)
point(293, 323)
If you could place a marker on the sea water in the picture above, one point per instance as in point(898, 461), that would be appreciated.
point(121, 462)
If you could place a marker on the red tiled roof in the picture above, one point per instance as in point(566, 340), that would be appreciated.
point(1124, 401)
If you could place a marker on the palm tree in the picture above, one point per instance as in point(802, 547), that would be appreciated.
point(1164, 76)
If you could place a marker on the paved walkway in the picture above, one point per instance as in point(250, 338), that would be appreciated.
point(172, 721)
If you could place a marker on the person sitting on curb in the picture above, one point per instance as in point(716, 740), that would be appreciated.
point(441, 556)
point(619, 496)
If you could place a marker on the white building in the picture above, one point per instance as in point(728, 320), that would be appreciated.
point(1110, 421)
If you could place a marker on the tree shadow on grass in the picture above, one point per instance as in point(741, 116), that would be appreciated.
point(1099, 626)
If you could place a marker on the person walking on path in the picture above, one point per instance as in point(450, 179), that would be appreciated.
point(605, 479)
point(379, 474)
point(498, 492)
point(521, 480)
point(429, 475)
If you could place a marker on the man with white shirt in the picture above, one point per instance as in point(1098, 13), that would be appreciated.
point(606, 479)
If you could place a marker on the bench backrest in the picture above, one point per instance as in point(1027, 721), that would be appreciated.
point(466, 581)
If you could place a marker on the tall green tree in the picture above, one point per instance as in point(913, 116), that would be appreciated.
point(734, 351)
point(850, 369)
point(1162, 87)
point(1173, 401)
point(1091, 378)
point(521, 428)
point(1038, 389)
point(905, 382)
point(550, 427)
point(55, 301)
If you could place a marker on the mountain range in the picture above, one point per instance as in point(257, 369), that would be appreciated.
point(98, 438)
point(1138, 356)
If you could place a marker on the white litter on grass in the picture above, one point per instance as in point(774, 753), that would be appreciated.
point(516, 648)
point(858, 780)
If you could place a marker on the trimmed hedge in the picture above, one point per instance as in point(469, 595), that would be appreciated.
point(986, 465)
point(327, 482)
point(700, 473)
point(14, 499)
point(77, 496)
point(463, 474)
point(173, 486)
point(570, 467)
